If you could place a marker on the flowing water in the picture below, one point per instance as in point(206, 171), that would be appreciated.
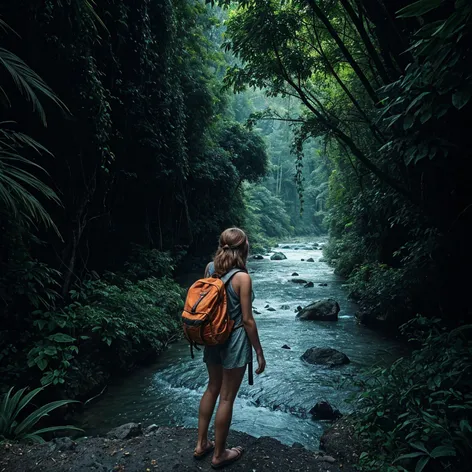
point(168, 392)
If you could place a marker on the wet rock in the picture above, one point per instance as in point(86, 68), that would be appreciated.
point(322, 260)
point(256, 312)
point(322, 285)
point(324, 411)
point(257, 257)
point(271, 309)
point(285, 307)
point(299, 308)
point(297, 445)
point(151, 428)
point(295, 274)
point(286, 347)
point(325, 356)
point(126, 431)
point(267, 306)
point(63, 444)
point(285, 247)
point(296, 248)
point(320, 310)
point(302, 260)
point(299, 281)
point(278, 256)
point(309, 285)
point(310, 259)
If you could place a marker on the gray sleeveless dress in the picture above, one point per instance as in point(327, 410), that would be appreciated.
point(237, 351)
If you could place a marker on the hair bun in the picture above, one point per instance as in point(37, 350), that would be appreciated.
point(225, 247)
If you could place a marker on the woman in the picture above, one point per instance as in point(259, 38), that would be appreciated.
point(227, 363)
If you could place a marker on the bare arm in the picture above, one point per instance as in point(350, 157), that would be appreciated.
point(245, 296)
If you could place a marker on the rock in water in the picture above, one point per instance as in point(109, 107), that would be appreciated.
point(270, 309)
point(309, 285)
point(285, 307)
point(299, 281)
point(324, 411)
point(278, 256)
point(286, 347)
point(325, 356)
point(295, 274)
point(322, 285)
point(310, 259)
point(320, 310)
point(258, 257)
point(126, 431)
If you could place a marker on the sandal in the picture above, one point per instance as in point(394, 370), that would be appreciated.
point(239, 452)
point(205, 452)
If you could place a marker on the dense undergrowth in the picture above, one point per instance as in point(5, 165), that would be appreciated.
point(417, 413)
point(110, 324)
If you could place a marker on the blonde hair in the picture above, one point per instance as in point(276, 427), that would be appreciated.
point(232, 251)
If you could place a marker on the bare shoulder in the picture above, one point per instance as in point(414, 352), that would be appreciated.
point(242, 278)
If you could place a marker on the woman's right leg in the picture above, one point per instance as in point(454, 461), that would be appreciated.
point(232, 379)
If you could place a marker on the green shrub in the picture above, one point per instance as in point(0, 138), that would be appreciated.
point(123, 319)
point(417, 414)
point(14, 427)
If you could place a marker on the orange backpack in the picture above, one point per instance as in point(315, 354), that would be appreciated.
point(205, 317)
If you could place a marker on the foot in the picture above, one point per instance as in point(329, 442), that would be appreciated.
point(203, 449)
point(228, 457)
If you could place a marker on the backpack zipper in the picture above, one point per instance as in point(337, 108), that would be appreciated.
point(202, 296)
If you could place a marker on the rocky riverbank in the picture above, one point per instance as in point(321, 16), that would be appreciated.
point(130, 449)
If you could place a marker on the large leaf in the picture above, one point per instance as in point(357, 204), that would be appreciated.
point(418, 8)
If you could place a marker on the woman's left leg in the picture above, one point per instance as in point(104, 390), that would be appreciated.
point(207, 405)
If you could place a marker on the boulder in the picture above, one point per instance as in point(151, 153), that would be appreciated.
point(295, 274)
point(324, 411)
point(299, 281)
point(310, 259)
point(320, 310)
point(278, 256)
point(126, 431)
point(325, 356)
point(286, 347)
point(285, 307)
point(257, 257)
point(309, 285)
point(299, 308)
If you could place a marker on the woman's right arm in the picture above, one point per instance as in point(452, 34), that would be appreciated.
point(245, 296)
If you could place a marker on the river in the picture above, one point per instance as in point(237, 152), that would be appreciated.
point(168, 392)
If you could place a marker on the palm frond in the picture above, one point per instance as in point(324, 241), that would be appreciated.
point(28, 82)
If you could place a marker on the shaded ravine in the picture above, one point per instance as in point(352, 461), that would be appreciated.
point(168, 392)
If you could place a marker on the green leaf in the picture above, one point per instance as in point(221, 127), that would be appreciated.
point(420, 446)
point(421, 464)
point(409, 456)
point(61, 338)
point(418, 8)
point(462, 96)
point(443, 451)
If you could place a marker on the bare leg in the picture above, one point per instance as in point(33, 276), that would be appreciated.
point(207, 405)
point(231, 382)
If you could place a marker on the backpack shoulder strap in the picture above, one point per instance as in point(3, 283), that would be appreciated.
point(227, 277)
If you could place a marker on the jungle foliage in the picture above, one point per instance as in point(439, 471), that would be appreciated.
point(118, 155)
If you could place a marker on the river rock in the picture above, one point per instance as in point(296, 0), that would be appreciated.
point(303, 260)
point(309, 285)
point(299, 308)
point(285, 307)
point(256, 312)
point(285, 247)
point(299, 281)
point(286, 347)
point(278, 256)
point(322, 285)
point(151, 428)
point(310, 259)
point(270, 309)
point(258, 257)
point(324, 411)
point(297, 445)
point(295, 274)
point(325, 356)
point(320, 310)
point(126, 431)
